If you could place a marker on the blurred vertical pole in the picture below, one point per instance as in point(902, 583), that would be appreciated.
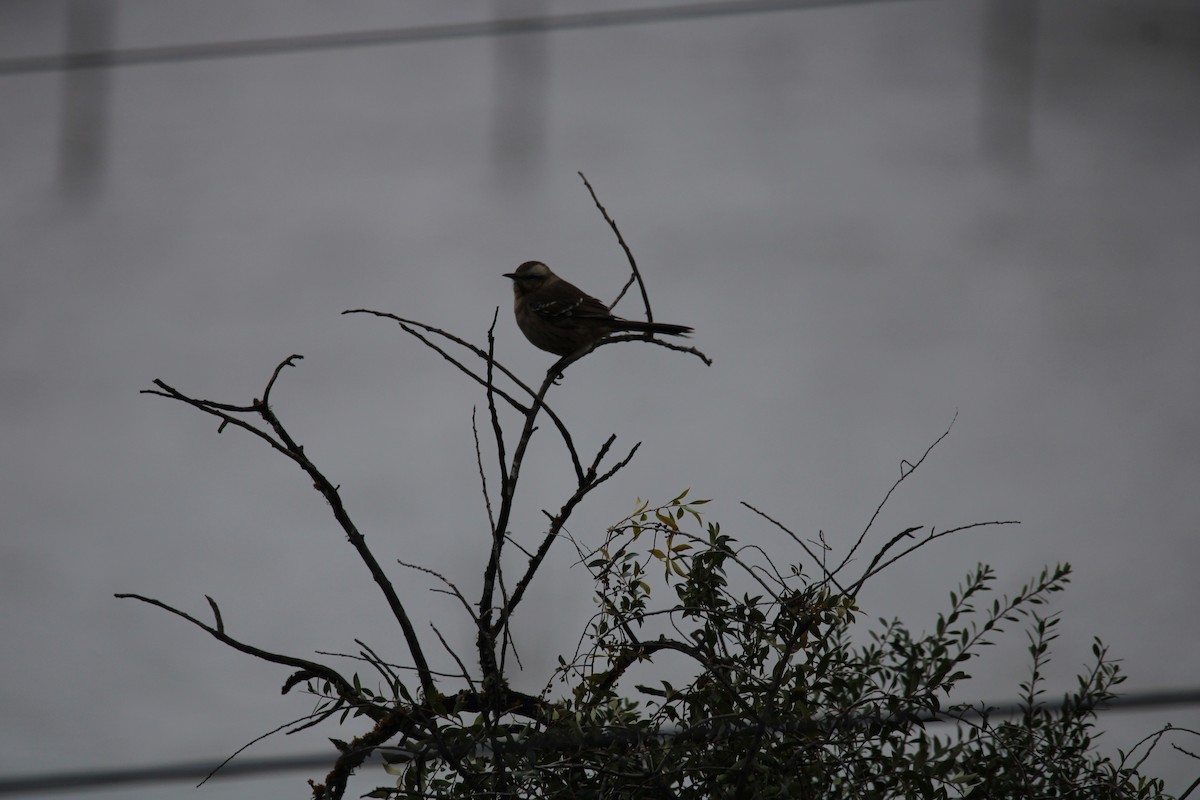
point(519, 110)
point(84, 116)
point(1009, 31)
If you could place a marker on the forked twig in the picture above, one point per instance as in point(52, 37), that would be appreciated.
point(487, 499)
point(343, 687)
point(283, 442)
point(637, 274)
point(413, 328)
point(903, 476)
point(876, 567)
point(818, 561)
point(708, 362)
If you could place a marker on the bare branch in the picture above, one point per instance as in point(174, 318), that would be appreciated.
point(646, 337)
point(216, 613)
point(343, 687)
point(453, 590)
point(497, 431)
point(907, 533)
point(283, 442)
point(360, 657)
point(903, 475)
point(556, 524)
point(463, 672)
point(290, 361)
point(637, 275)
point(311, 719)
point(486, 638)
point(487, 500)
point(382, 667)
point(414, 328)
point(875, 570)
point(818, 561)
point(221, 411)
point(411, 327)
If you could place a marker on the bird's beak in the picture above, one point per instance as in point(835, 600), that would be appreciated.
point(512, 275)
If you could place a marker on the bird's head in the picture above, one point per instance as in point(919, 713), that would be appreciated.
point(530, 276)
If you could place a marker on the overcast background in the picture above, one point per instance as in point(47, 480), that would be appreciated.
point(875, 215)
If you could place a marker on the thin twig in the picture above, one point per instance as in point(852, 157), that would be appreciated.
point(283, 442)
point(903, 475)
point(486, 643)
point(411, 327)
point(818, 561)
point(381, 666)
point(221, 411)
point(555, 526)
point(642, 337)
point(388, 664)
point(463, 673)
point(342, 686)
point(319, 716)
point(875, 570)
point(487, 500)
point(524, 551)
point(453, 590)
point(497, 431)
point(290, 361)
point(637, 275)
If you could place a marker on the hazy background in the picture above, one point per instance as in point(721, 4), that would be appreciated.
point(874, 215)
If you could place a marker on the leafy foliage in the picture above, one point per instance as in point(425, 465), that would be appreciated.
point(779, 701)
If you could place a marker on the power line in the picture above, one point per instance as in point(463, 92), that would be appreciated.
point(194, 771)
point(209, 51)
point(199, 770)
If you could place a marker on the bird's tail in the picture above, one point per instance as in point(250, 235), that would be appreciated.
point(654, 327)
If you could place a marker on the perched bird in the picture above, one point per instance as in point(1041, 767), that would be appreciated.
point(560, 318)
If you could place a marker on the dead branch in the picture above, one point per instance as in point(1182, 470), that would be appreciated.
point(903, 476)
point(413, 327)
point(636, 274)
point(283, 442)
point(345, 689)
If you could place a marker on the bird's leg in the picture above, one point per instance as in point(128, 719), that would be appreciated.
point(569, 359)
point(557, 369)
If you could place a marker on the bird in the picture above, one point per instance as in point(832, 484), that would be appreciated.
point(561, 318)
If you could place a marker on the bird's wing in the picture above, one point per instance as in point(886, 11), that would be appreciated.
point(581, 307)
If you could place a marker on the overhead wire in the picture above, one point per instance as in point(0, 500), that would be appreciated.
point(91, 780)
point(246, 48)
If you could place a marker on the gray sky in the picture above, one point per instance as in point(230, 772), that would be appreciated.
point(810, 190)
